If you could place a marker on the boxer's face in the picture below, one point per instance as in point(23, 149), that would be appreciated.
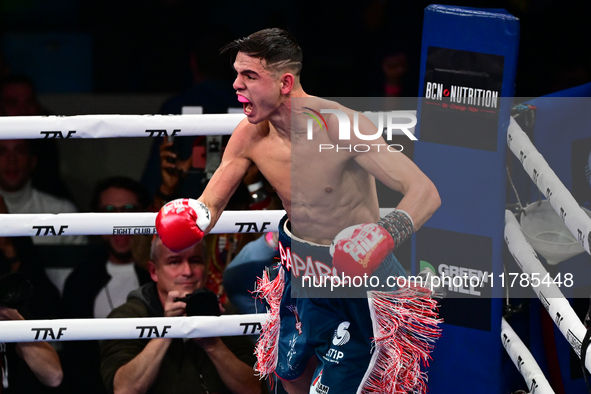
point(260, 86)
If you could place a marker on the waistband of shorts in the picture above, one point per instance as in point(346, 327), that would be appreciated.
point(285, 232)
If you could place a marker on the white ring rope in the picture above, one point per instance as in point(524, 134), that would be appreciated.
point(524, 361)
point(130, 328)
point(552, 298)
point(576, 220)
point(15, 225)
point(114, 126)
point(46, 224)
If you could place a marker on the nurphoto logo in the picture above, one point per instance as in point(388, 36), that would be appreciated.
point(386, 121)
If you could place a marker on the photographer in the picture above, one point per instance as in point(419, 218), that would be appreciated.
point(18, 254)
point(166, 365)
point(24, 361)
point(26, 367)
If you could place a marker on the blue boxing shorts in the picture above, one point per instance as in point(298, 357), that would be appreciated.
point(338, 331)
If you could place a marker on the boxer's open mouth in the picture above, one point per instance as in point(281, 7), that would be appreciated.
point(246, 104)
point(247, 108)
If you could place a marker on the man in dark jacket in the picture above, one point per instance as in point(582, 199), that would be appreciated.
point(167, 365)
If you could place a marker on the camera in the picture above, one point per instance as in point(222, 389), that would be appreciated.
point(201, 302)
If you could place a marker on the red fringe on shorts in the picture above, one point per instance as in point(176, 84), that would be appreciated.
point(266, 347)
point(405, 327)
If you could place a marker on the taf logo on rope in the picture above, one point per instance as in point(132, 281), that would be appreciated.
point(506, 340)
point(48, 332)
point(256, 326)
point(57, 134)
point(251, 227)
point(152, 330)
point(49, 230)
point(163, 133)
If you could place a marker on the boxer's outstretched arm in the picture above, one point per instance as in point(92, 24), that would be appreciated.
point(399, 173)
point(183, 223)
point(224, 182)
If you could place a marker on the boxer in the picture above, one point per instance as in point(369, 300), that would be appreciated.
point(332, 212)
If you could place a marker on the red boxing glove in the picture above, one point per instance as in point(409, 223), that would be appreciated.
point(181, 223)
point(360, 249)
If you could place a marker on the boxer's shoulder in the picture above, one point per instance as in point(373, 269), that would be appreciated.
point(245, 137)
point(248, 132)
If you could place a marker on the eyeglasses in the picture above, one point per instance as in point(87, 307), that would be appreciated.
point(123, 208)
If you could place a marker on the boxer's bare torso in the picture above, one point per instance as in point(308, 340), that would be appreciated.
point(322, 192)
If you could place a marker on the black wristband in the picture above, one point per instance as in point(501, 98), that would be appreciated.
point(399, 225)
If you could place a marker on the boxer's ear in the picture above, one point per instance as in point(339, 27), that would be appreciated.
point(287, 83)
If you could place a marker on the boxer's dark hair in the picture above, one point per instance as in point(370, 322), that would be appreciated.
point(120, 182)
point(275, 46)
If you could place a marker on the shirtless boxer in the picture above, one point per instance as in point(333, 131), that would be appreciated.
point(323, 195)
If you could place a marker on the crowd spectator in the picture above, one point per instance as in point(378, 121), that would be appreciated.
point(96, 287)
point(211, 89)
point(17, 162)
point(166, 365)
point(18, 97)
point(27, 367)
point(18, 254)
point(25, 290)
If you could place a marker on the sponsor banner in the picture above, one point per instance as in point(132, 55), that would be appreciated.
point(463, 267)
point(461, 98)
point(523, 360)
point(114, 126)
point(42, 225)
point(131, 328)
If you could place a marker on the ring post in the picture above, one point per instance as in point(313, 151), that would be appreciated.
point(468, 67)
